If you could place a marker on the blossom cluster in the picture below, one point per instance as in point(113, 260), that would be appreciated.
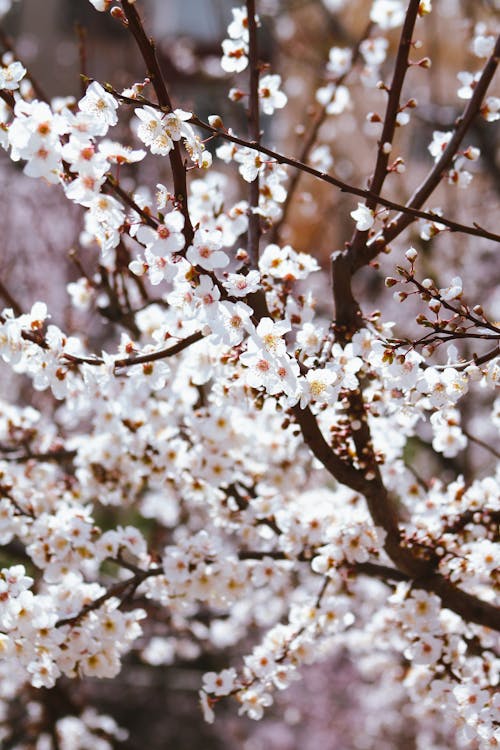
point(239, 459)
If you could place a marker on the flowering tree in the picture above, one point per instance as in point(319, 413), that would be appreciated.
point(241, 461)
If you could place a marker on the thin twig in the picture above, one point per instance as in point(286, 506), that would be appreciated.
point(139, 359)
point(380, 172)
point(343, 186)
point(435, 176)
point(254, 230)
point(481, 443)
point(148, 51)
point(81, 33)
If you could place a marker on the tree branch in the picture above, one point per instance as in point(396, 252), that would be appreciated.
point(254, 230)
point(148, 51)
point(435, 176)
point(393, 106)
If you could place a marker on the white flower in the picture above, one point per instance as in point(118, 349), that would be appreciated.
point(238, 28)
point(116, 153)
point(206, 707)
point(10, 76)
point(333, 5)
point(81, 293)
point(374, 50)
point(452, 292)
point(310, 337)
point(159, 131)
point(270, 96)
point(167, 238)
point(483, 46)
point(448, 438)
point(234, 59)
point(321, 386)
point(439, 142)
point(206, 250)
point(491, 109)
point(219, 683)
point(339, 60)
point(364, 217)
point(425, 650)
point(101, 4)
point(321, 158)
point(387, 13)
point(253, 702)
point(251, 163)
point(238, 285)
point(233, 324)
point(98, 103)
point(468, 81)
point(335, 98)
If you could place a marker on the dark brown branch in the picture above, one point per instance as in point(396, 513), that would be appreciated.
point(478, 360)
point(468, 606)
point(114, 186)
point(81, 33)
point(344, 187)
point(311, 137)
point(254, 230)
point(120, 589)
point(7, 44)
point(140, 359)
point(479, 517)
point(434, 177)
point(481, 443)
point(393, 106)
point(12, 303)
point(148, 51)
point(57, 455)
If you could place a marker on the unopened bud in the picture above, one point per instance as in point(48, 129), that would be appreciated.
point(424, 7)
point(236, 94)
point(425, 62)
point(399, 166)
point(242, 255)
point(474, 373)
point(119, 15)
point(472, 153)
point(215, 121)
